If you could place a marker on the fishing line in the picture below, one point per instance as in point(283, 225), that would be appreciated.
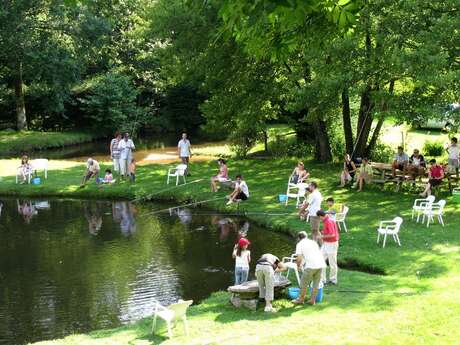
point(166, 189)
point(379, 292)
point(185, 205)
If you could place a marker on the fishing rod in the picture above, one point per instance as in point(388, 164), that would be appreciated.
point(240, 214)
point(164, 190)
point(185, 205)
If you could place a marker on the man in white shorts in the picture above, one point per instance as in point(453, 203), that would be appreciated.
point(454, 152)
point(184, 149)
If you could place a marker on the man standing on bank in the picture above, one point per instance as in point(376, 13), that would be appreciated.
point(184, 149)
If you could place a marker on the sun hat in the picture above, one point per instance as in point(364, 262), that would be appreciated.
point(243, 242)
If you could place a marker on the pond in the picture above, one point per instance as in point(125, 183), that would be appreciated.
point(69, 266)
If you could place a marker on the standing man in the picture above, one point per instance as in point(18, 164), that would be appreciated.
point(115, 152)
point(184, 149)
point(126, 147)
point(311, 262)
point(330, 237)
point(310, 207)
point(454, 153)
point(400, 161)
point(266, 267)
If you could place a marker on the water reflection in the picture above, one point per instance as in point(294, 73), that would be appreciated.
point(87, 265)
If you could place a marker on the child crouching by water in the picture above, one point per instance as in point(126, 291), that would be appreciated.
point(242, 257)
point(132, 170)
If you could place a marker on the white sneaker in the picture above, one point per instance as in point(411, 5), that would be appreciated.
point(269, 310)
point(229, 202)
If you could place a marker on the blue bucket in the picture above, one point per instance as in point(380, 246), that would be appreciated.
point(293, 292)
point(282, 197)
point(36, 180)
point(319, 296)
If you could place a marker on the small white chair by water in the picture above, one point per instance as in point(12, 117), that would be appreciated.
point(435, 210)
point(296, 191)
point(340, 218)
point(36, 165)
point(420, 205)
point(390, 227)
point(177, 172)
point(171, 314)
point(291, 264)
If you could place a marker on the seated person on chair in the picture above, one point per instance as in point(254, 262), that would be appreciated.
point(92, 170)
point(299, 174)
point(332, 207)
point(365, 174)
point(348, 172)
point(435, 176)
point(241, 192)
point(416, 165)
point(400, 161)
point(222, 175)
point(25, 168)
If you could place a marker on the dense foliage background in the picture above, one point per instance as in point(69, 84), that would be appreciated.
point(334, 70)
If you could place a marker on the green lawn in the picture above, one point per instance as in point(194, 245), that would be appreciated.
point(26, 141)
point(414, 302)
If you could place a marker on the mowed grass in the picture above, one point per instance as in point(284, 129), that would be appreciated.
point(27, 141)
point(415, 301)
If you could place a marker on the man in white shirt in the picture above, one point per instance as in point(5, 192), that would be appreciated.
point(184, 149)
point(453, 162)
point(126, 147)
point(310, 207)
point(241, 191)
point(311, 262)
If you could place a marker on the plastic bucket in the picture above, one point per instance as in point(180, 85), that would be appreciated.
point(282, 197)
point(319, 296)
point(293, 292)
point(456, 195)
point(36, 180)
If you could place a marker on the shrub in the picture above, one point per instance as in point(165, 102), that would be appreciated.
point(382, 153)
point(433, 148)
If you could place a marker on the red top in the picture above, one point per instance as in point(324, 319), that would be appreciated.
point(436, 171)
point(330, 228)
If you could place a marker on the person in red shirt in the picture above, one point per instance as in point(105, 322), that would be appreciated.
point(435, 176)
point(330, 237)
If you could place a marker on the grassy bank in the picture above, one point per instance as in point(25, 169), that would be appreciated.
point(415, 302)
point(27, 141)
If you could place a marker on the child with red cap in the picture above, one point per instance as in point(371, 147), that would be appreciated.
point(242, 257)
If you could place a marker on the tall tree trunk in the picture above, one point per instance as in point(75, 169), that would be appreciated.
point(364, 122)
point(265, 135)
point(346, 118)
point(378, 128)
point(21, 120)
point(322, 144)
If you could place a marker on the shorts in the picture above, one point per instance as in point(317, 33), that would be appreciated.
point(221, 179)
point(434, 182)
point(310, 275)
point(314, 223)
point(241, 196)
point(400, 166)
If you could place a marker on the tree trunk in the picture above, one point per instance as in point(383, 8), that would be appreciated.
point(378, 128)
point(21, 120)
point(364, 123)
point(322, 144)
point(265, 134)
point(346, 118)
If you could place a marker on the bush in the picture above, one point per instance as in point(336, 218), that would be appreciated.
point(382, 153)
point(433, 148)
point(284, 146)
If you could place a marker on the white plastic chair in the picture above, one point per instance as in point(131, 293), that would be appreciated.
point(340, 218)
point(436, 209)
point(177, 172)
point(420, 205)
point(40, 164)
point(390, 227)
point(171, 314)
point(296, 191)
point(291, 264)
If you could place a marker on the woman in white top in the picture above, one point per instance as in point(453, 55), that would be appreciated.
point(241, 192)
point(242, 257)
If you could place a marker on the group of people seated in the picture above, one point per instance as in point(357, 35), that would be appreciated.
point(240, 188)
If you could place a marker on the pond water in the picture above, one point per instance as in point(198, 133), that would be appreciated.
point(69, 266)
point(154, 148)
